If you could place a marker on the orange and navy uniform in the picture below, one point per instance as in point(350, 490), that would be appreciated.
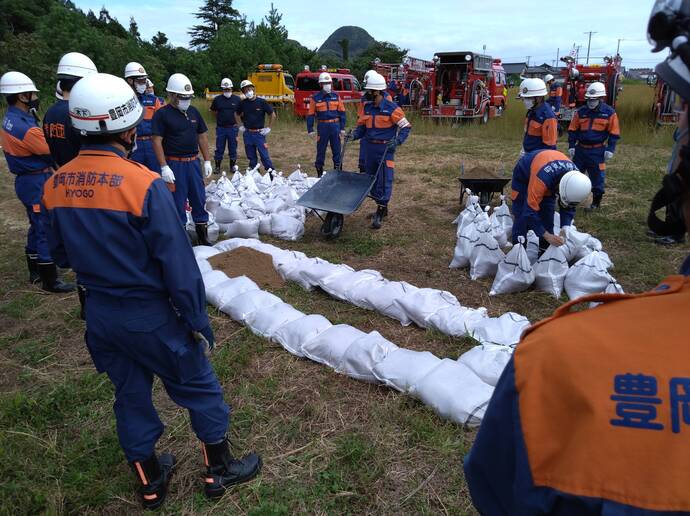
point(591, 415)
point(535, 182)
point(360, 112)
point(64, 142)
point(541, 128)
point(115, 223)
point(326, 108)
point(555, 96)
point(144, 153)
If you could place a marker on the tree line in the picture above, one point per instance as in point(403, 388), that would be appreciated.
point(34, 34)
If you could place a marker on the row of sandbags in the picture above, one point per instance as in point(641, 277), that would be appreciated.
point(481, 239)
point(368, 289)
point(247, 205)
point(458, 390)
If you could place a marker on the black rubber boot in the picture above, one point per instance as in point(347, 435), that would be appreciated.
point(202, 234)
point(233, 162)
point(218, 164)
point(32, 264)
point(223, 471)
point(50, 281)
point(154, 474)
point(378, 217)
point(596, 202)
point(81, 292)
point(319, 171)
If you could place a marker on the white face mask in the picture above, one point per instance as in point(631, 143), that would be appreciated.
point(327, 88)
point(249, 94)
point(183, 105)
point(529, 103)
point(593, 103)
point(227, 94)
point(141, 88)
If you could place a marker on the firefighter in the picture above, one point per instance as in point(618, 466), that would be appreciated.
point(592, 137)
point(383, 127)
point(541, 125)
point(137, 78)
point(179, 133)
point(28, 158)
point(251, 117)
point(329, 111)
point(63, 142)
point(360, 111)
point(540, 179)
point(146, 307)
point(590, 416)
point(224, 108)
point(555, 93)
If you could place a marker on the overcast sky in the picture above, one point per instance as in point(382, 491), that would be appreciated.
point(510, 29)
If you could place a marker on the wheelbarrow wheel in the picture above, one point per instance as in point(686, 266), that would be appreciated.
point(332, 226)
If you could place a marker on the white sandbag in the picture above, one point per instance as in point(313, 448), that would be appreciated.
point(329, 346)
point(504, 330)
point(266, 321)
point(344, 285)
point(226, 213)
point(485, 255)
point(293, 335)
point(286, 227)
point(296, 212)
point(213, 278)
point(457, 321)
point(550, 271)
point(487, 361)
point(224, 293)
point(358, 294)
point(265, 225)
point(291, 270)
point(592, 244)
point(234, 243)
point(213, 232)
point(322, 270)
point(264, 183)
point(361, 357)
point(402, 368)
point(455, 392)
point(253, 202)
point(468, 236)
point(514, 273)
point(532, 247)
point(382, 300)
point(204, 252)
point(502, 221)
point(275, 205)
point(588, 276)
point(243, 228)
point(244, 305)
point(612, 288)
point(422, 303)
point(557, 222)
point(204, 266)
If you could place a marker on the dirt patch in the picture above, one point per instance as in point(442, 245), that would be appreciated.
point(481, 173)
point(245, 261)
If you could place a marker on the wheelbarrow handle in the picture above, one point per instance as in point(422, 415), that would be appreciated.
point(346, 140)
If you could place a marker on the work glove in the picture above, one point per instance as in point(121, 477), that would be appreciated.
point(204, 337)
point(242, 129)
point(342, 133)
point(571, 151)
point(265, 131)
point(349, 136)
point(312, 134)
point(392, 145)
point(167, 174)
point(208, 169)
point(608, 155)
point(522, 152)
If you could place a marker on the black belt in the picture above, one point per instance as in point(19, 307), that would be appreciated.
point(228, 126)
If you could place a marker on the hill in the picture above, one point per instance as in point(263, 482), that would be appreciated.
point(360, 40)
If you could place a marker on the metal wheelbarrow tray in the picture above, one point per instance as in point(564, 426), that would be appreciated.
point(484, 188)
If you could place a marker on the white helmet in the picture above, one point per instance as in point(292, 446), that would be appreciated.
point(149, 83)
point(574, 187)
point(75, 65)
point(530, 88)
point(226, 84)
point(596, 90)
point(179, 83)
point(548, 78)
point(245, 83)
point(325, 77)
point(375, 81)
point(103, 104)
point(134, 69)
point(58, 92)
point(367, 75)
point(16, 82)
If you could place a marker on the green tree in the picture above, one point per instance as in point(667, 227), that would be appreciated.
point(214, 14)
point(386, 52)
point(159, 40)
point(134, 29)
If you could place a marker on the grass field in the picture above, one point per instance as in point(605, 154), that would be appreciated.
point(330, 444)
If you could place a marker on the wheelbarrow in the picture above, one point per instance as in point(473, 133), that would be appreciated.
point(485, 188)
point(338, 193)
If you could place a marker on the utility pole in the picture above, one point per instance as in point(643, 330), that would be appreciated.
point(528, 61)
point(589, 43)
point(558, 55)
point(619, 45)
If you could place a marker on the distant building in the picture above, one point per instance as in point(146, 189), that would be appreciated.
point(542, 70)
point(640, 74)
point(514, 68)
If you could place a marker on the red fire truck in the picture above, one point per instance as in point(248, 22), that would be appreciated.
point(577, 77)
point(345, 85)
point(412, 79)
point(665, 108)
point(466, 85)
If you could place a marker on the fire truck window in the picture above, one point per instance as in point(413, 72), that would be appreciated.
point(347, 85)
point(308, 84)
point(289, 81)
point(358, 87)
point(337, 85)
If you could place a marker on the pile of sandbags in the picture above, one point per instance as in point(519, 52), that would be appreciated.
point(249, 204)
point(482, 239)
point(453, 388)
point(368, 289)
